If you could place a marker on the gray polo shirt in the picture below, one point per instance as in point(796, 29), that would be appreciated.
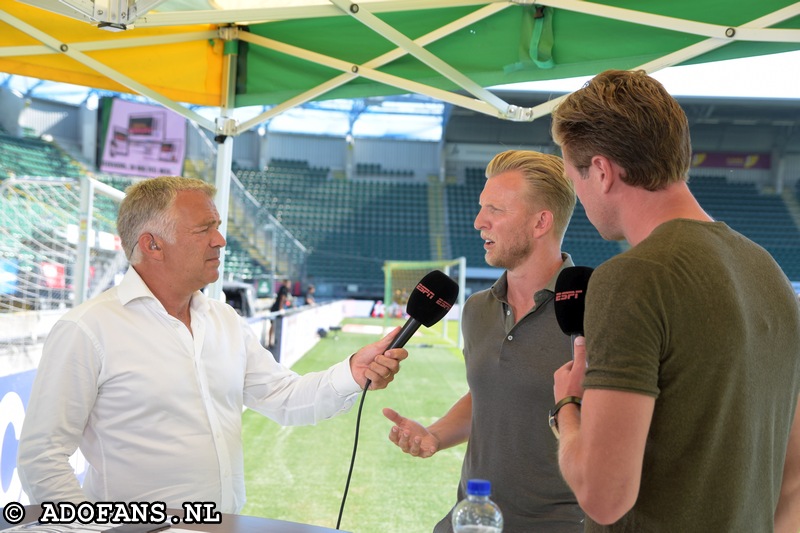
point(510, 374)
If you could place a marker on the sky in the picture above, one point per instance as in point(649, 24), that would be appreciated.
point(772, 76)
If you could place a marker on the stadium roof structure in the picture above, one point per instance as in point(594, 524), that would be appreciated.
point(283, 53)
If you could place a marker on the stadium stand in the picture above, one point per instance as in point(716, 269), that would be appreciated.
point(350, 227)
point(584, 244)
point(25, 156)
point(762, 217)
point(377, 170)
point(240, 264)
point(462, 208)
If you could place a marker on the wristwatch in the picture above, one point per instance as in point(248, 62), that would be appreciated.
point(551, 416)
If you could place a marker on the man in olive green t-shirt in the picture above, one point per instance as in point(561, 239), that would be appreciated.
point(680, 411)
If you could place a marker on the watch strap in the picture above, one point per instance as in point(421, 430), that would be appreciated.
point(551, 416)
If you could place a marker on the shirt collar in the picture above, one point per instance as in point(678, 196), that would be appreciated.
point(500, 287)
point(551, 285)
point(133, 287)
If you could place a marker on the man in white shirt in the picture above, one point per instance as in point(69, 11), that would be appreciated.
point(149, 378)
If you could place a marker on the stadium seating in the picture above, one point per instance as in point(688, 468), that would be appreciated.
point(239, 264)
point(584, 244)
point(376, 170)
point(25, 156)
point(762, 217)
point(350, 227)
point(461, 201)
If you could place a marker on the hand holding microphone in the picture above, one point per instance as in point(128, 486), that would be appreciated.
point(568, 380)
point(570, 299)
point(569, 305)
point(378, 360)
point(431, 299)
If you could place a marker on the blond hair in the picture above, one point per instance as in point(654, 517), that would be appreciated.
point(548, 186)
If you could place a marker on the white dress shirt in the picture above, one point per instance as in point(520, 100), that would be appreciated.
point(156, 410)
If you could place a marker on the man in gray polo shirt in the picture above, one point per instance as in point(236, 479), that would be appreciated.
point(512, 346)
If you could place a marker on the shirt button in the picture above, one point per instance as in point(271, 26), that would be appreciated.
point(511, 337)
point(508, 312)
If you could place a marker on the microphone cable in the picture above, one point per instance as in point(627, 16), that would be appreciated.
point(428, 303)
point(355, 447)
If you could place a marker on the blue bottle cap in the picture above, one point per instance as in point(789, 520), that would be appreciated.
point(479, 487)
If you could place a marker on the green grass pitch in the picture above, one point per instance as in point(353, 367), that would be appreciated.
point(299, 473)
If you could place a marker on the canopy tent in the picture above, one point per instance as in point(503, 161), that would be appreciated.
point(283, 53)
point(293, 51)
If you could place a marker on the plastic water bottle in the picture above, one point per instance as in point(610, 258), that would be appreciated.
point(477, 513)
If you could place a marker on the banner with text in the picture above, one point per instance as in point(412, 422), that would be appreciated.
point(143, 140)
point(741, 160)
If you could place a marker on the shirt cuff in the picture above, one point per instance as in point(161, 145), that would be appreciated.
point(342, 380)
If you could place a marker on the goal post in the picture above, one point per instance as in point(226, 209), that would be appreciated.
point(401, 277)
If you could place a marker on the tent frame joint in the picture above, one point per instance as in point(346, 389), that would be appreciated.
point(229, 33)
point(519, 114)
point(225, 126)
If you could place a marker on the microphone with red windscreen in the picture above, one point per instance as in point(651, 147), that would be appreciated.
point(571, 286)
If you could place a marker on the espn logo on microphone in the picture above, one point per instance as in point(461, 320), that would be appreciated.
point(568, 295)
point(444, 304)
point(426, 291)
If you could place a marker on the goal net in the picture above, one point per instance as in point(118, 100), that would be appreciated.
point(400, 279)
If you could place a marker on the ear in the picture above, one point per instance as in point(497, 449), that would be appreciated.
point(148, 244)
point(542, 222)
point(606, 170)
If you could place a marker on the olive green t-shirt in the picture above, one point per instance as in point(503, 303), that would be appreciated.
point(705, 321)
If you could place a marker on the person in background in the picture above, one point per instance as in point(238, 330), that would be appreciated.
point(149, 378)
point(309, 297)
point(278, 306)
point(512, 346)
point(285, 290)
point(679, 412)
point(279, 303)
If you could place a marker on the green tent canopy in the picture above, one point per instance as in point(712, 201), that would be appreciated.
point(282, 53)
